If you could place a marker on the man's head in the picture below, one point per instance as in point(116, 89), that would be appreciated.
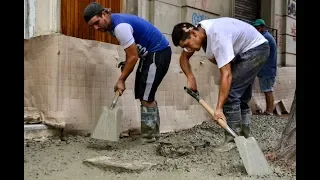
point(97, 16)
point(188, 36)
point(260, 25)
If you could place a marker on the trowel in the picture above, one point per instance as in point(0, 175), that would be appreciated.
point(108, 126)
point(252, 157)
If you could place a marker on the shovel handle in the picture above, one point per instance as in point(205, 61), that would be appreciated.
point(117, 93)
point(115, 100)
point(220, 121)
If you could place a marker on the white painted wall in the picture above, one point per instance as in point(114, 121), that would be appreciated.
point(41, 17)
point(29, 18)
point(25, 15)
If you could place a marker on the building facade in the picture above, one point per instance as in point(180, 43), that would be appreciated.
point(70, 70)
point(52, 16)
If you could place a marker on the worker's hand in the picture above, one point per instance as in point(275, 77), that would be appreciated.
point(218, 114)
point(119, 86)
point(121, 65)
point(192, 84)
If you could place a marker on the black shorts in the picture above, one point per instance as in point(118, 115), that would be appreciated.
point(150, 72)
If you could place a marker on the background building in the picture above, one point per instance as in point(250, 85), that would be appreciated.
point(70, 68)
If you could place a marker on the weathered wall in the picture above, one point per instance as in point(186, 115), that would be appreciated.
point(164, 14)
point(41, 17)
point(131, 6)
point(71, 79)
point(285, 22)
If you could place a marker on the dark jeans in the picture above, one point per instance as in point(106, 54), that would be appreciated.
point(244, 68)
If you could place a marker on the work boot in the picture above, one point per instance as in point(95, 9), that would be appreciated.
point(245, 130)
point(245, 122)
point(148, 124)
point(157, 134)
point(229, 143)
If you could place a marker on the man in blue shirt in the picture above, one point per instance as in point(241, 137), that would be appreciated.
point(267, 75)
point(140, 40)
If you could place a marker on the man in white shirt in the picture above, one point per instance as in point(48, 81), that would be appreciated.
point(239, 51)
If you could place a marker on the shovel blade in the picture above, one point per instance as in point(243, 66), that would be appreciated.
point(252, 157)
point(108, 126)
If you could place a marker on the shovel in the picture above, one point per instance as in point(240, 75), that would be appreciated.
point(108, 126)
point(252, 157)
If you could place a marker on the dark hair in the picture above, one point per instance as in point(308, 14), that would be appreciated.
point(180, 34)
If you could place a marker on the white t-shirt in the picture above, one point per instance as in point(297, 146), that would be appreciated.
point(226, 37)
point(123, 33)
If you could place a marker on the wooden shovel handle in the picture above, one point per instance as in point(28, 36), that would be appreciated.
point(117, 93)
point(220, 121)
point(115, 100)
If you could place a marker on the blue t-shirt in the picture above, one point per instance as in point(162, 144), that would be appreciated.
point(129, 28)
point(269, 69)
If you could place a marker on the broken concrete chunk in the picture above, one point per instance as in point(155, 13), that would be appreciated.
point(54, 123)
point(130, 132)
point(32, 115)
point(124, 134)
point(110, 163)
point(168, 149)
point(280, 107)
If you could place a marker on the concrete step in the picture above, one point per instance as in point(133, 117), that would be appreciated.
point(39, 130)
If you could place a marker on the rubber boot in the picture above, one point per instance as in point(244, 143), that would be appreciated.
point(245, 130)
point(157, 134)
point(148, 124)
point(245, 122)
point(229, 143)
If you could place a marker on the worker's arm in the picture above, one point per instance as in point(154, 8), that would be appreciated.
point(225, 84)
point(124, 34)
point(186, 68)
point(223, 56)
point(131, 60)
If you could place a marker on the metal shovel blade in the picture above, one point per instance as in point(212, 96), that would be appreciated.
point(252, 157)
point(108, 126)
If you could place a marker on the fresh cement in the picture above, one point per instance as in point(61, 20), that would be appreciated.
point(187, 154)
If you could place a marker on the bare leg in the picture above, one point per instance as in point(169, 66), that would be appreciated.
point(269, 102)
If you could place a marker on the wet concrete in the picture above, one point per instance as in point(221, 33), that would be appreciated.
point(187, 154)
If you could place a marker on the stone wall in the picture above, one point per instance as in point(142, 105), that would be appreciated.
point(71, 79)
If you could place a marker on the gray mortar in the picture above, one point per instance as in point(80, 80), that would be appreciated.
point(187, 154)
